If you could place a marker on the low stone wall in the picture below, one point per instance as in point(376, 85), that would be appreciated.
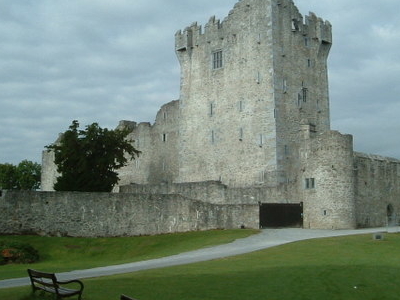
point(115, 214)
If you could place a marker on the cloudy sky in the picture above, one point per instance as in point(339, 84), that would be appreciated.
point(104, 61)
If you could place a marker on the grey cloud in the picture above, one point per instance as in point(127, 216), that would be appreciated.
point(104, 61)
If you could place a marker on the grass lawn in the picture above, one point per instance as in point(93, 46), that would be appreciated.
point(66, 254)
point(354, 267)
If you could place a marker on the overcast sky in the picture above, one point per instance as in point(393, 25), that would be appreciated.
point(104, 61)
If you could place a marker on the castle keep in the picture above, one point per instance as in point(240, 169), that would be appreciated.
point(252, 127)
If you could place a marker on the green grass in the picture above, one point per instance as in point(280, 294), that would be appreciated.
point(66, 254)
point(344, 268)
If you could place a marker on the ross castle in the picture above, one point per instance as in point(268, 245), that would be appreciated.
point(252, 126)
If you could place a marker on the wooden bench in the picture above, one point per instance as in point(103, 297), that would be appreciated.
point(48, 282)
point(123, 297)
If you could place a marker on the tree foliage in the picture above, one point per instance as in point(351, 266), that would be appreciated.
point(24, 176)
point(87, 159)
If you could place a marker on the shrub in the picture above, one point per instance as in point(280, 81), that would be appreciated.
point(15, 252)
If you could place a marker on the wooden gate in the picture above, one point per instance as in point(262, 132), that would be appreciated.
point(274, 215)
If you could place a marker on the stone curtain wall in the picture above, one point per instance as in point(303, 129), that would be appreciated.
point(107, 214)
point(213, 192)
point(377, 187)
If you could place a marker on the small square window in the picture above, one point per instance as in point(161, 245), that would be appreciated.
point(310, 183)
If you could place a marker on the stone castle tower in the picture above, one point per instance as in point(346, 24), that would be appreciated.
point(249, 86)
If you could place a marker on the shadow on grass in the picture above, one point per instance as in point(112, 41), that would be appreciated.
point(37, 296)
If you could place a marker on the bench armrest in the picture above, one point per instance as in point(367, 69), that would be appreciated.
point(72, 281)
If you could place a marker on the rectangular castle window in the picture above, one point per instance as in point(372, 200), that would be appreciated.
point(304, 94)
point(212, 136)
point(217, 59)
point(310, 183)
point(164, 137)
point(240, 134)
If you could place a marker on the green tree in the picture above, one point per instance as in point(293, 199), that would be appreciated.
point(8, 176)
point(87, 159)
point(24, 176)
point(28, 175)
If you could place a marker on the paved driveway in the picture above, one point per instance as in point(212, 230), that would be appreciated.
point(266, 239)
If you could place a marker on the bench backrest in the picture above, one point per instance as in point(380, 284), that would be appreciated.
point(42, 278)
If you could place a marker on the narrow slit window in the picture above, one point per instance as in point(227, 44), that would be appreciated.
point(306, 41)
point(261, 140)
point(164, 137)
point(284, 85)
point(241, 106)
point(286, 150)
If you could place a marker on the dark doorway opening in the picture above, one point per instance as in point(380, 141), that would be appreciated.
point(274, 215)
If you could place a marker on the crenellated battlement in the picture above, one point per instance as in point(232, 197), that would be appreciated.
point(310, 26)
point(318, 28)
point(194, 34)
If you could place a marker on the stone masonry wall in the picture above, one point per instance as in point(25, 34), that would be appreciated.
point(377, 190)
point(158, 161)
point(227, 125)
point(326, 182)
point(107, 214)
point(213, 192)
